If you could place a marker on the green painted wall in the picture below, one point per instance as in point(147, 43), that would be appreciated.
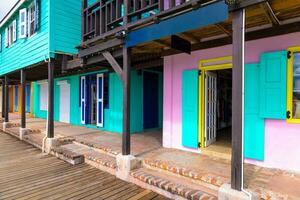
point(27, 51)
point(113, 114)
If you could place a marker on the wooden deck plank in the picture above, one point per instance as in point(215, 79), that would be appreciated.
point(25, 173)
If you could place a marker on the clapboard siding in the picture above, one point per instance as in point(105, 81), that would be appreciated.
point(65, 26)
point(28, 51)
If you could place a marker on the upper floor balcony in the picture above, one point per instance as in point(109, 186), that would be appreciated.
point(107, 17)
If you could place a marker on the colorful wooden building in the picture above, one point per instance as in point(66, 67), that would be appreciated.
point(205, 72)
point(33, 34)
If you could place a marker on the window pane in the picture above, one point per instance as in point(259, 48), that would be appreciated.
point(296, 86)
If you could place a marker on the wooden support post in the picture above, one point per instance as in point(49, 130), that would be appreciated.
point(6, 102)
point(3, 99)
point(126, 102)
point(50, 120)
point(23, 108)
point(238, 38)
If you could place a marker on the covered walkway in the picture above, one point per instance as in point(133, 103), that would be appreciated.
point(199, 172)
point(25, 173)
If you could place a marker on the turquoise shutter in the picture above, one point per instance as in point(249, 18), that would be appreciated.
point(254, 133)
point(190, 108)
point(273, 73)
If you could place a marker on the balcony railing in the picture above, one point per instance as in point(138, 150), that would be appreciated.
point(110, 16)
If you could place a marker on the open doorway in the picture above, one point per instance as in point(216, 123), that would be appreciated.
point(216, 109)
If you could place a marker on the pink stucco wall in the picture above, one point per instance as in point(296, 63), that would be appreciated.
point(282, 140)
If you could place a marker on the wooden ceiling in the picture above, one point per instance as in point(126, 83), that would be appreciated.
point(262, 20)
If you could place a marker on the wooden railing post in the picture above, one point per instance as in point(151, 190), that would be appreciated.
point(83, 19)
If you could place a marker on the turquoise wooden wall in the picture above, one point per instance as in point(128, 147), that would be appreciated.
point(60, 32)
point(65, 26)
point(28, 51)
point(113, 117)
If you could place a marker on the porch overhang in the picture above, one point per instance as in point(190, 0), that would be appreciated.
point(198, 18)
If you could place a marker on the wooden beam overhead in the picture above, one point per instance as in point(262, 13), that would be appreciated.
point(224, 30)
point(190, 37)
point(162, 43)
point(114, 64)
point(245, 3)
point(273, 19)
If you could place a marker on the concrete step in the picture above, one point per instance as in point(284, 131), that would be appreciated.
point(13, 124)
point(96, 147)
point(196, 175)
point(67, 155)
point(171, 185)
point(97, 159)
point(14, 131)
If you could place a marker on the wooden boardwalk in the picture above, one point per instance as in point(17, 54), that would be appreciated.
point(25, 173)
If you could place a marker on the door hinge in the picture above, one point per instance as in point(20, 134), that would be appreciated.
point(288, 114)
point(199, 72)
point(289, 54)
point(199, 144)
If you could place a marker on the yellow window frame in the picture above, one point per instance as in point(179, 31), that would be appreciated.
point(290, 74)
point(208, 65)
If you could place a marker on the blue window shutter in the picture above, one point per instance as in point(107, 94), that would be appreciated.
point(273, 75)
point(37, 15)
point(190, 108)
point(254, 130)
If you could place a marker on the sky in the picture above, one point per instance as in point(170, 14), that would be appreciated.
point(5, 6)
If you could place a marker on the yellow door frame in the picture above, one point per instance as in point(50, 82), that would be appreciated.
point(208, 65)
point(290, 79)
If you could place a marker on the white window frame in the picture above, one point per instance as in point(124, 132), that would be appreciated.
point(11, 34)
point(31, 30)
point(14, 31)
point(6, 37)
point(23, 24)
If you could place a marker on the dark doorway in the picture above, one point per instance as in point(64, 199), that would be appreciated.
point(151, 100)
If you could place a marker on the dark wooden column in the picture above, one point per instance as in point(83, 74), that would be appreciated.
point(23, 110)
point(6, 102)
point(3, 98)
point(238, 25)
point(50, 120)
point(126, 102)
